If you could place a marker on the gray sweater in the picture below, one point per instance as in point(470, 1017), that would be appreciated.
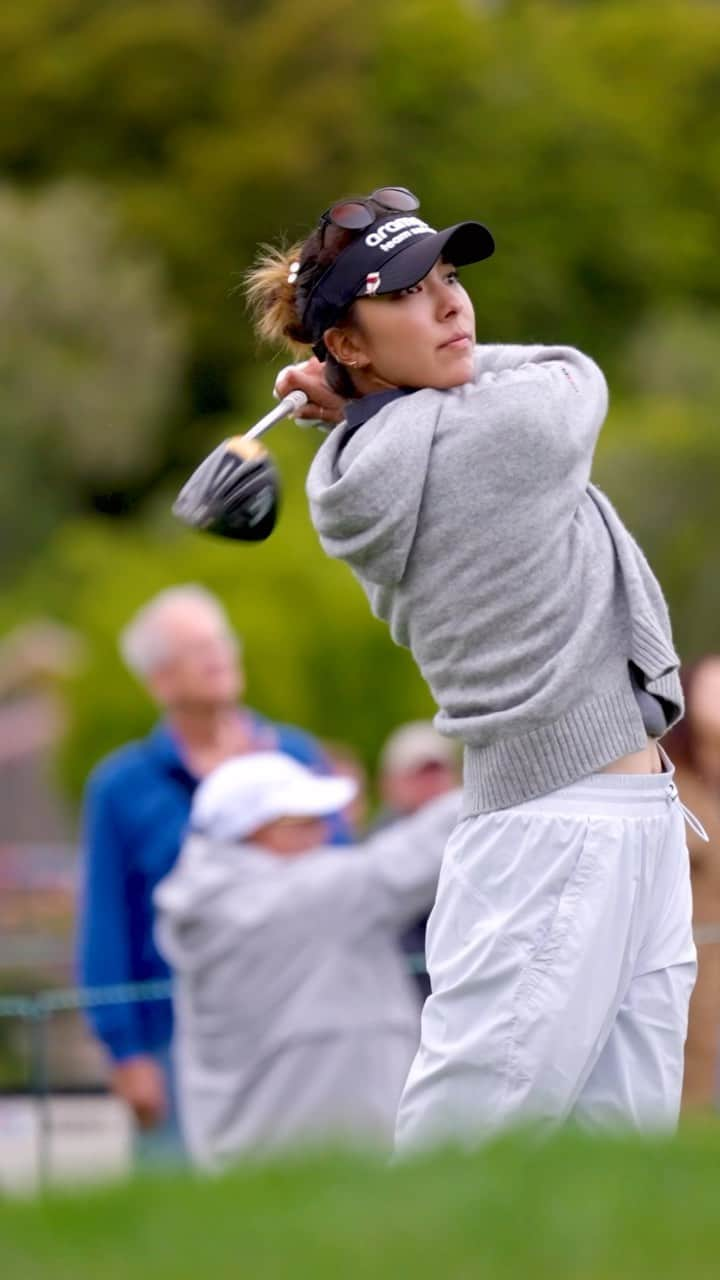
point(469, 518)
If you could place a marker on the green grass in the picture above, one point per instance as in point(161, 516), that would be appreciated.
point(573, 1207)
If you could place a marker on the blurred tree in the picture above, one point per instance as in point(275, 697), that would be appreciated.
point(106, 88)
point(89, 362)
point(586, 135)
point(659, 460)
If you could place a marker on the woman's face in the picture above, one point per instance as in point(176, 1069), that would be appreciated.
point(419, 337)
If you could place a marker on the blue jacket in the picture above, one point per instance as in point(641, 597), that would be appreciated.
point(137, 805)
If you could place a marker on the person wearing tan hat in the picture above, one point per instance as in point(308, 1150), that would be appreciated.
point(296, 1020)
point(417, 764)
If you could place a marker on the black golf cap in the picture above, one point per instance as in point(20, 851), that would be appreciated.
point(395, 252)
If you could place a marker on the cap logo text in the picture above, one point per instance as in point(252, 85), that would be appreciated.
point(398, 229)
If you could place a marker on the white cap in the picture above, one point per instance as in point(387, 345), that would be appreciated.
point(414, 745)
point(245, 793)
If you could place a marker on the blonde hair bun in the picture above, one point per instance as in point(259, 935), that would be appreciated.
point(270, 288)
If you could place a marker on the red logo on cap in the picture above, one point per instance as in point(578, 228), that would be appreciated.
point(372, 282)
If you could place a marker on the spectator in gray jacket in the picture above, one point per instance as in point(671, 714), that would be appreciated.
point(296, 1017)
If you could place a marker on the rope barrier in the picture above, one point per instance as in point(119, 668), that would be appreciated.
point(64, 999)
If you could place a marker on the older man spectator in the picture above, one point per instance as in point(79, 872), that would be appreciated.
point(296, 1019)
point(181, 647)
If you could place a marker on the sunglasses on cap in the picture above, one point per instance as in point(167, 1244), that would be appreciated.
point(355, 214)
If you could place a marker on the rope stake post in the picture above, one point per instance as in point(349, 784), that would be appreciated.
point(37, 1022)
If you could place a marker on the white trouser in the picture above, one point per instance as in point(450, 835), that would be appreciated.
point(561, 958)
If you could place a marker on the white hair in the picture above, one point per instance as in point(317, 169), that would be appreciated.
point(145, 643)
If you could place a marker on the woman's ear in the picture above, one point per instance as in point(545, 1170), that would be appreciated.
point(343, 344)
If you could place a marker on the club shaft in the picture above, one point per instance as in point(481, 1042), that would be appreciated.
point(289, 405)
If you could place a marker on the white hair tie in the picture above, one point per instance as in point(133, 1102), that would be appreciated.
point(293, 272)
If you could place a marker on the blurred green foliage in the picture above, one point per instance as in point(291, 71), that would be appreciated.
point(89, 363)
point(586, 135)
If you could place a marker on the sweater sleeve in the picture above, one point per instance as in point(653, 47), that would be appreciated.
point(391, 880)
point(556, 397)
point(104, 928)
point(403, 862)
point(523, 431)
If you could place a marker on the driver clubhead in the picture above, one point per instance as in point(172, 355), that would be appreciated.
point(234, 493)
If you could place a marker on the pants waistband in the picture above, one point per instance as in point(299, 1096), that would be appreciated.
point(636, 793)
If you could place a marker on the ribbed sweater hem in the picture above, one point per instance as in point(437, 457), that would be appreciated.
point(512, 770)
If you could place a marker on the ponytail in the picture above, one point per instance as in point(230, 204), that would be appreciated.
point(271, 290)
point(278, 288)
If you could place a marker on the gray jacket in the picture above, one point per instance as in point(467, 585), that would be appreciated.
point(469, 518)
point(296, 1017)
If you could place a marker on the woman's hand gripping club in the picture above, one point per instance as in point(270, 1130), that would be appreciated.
point(324, 408)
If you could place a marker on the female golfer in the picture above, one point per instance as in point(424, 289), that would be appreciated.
point(457, 488)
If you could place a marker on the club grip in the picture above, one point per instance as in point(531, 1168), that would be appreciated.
point(295, 400)
point(290, 404)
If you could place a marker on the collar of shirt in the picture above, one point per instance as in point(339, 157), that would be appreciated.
point(358, 411)
point(167, 747)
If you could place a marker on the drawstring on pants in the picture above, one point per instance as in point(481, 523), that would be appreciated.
point(673, 796)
